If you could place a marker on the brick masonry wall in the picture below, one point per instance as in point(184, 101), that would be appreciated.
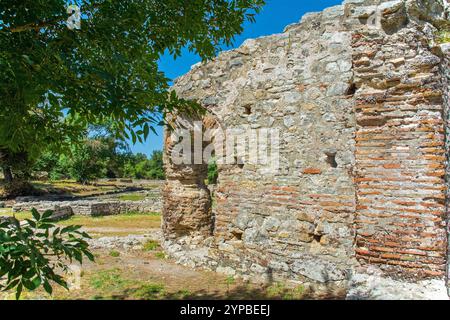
point(445, 71)
point(400, 152)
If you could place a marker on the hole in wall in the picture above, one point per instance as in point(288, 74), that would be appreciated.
point(331, 160)
point(237, 234)
point(248, 109)
point(351, 89)
point(317, 237)
point(363, 20)
point(239, 162)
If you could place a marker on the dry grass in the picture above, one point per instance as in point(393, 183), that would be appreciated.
point(132, 197)
point(74, 188)
point(7, 212)
point(95, 188)
point(125, 221)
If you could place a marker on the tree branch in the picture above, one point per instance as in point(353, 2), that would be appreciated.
point(35, 26)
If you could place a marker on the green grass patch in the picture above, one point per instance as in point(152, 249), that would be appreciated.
point(132, 197)
point(110, 280)
point(149, 291)
point(111, 284)
point(7, 212)
point(122, 221)
point(280, 291)
point(114, 253)
point(151, 245)
point(443, 36)
point(230, 281)
point(160, 255)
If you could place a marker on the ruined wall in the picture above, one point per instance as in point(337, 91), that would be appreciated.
point(445, 70)
point(359, 108)
point(400, 147)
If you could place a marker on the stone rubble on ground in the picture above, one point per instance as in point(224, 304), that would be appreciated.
point(130, 242)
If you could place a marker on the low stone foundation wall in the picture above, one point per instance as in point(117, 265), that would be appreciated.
point(91, 208)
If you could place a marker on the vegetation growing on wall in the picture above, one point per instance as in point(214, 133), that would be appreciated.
point(213, 173)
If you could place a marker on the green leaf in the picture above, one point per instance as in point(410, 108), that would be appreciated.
point(12, 285)
point(28, 284)
point(19, 291)
point(56, 231)
point(37, 281)
point(47, 287)
point(146, 131)
point(71, 228)
point(89, 255)
point(35, 214)
point(47, 214)
point(31, 223)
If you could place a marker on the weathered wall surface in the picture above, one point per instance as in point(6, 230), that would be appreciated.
point(302, 215)
point(400, 148)
point(445, 70)
point(359, 103)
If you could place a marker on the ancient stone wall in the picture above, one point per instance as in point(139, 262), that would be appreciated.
point(400, 148)
point(358, 97)
point(91, 207)
point(445, 70)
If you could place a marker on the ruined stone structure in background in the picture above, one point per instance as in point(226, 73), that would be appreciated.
point(360, 96)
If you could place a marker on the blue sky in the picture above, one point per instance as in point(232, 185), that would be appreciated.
point(275, 16)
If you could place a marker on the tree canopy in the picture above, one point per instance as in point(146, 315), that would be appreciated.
point(55, 81)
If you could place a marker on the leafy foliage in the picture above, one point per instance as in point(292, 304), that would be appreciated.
point(32, 252)
point(54, 82)
point(101, 157)
point(213, 173)
point(140, 167)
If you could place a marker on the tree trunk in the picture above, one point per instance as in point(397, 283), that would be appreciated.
point(8, 174)
point(5, 166)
